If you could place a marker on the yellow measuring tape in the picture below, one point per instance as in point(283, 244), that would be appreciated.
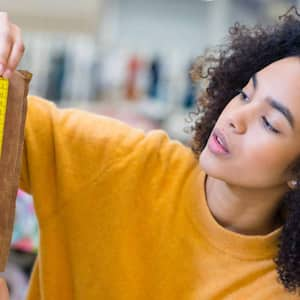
point(4, 83)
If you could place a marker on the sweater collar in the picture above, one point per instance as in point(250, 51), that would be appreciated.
point(246, 247)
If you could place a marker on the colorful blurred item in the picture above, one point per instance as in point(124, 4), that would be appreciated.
point(190, 94)
point(134, 67)
point(154, 77)
point(16, 280)
point(56, 77)
point(25, 235)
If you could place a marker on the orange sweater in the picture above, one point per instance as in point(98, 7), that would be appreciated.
point(123, 216)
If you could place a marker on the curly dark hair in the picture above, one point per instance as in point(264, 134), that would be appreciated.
point(226, 70)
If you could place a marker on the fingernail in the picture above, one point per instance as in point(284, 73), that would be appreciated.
point(1, 69)
point(7, 73)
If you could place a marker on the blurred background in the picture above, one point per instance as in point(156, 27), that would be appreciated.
point(128, 59)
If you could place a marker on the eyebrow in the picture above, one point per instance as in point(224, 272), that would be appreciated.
point(276, 104)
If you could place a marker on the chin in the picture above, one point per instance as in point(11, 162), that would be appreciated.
point(217, 170)
point(211, 166)
point(207, 163)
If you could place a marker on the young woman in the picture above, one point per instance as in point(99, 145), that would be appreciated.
point(128, 215)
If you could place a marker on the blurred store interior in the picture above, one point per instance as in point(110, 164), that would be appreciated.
point(128, 59)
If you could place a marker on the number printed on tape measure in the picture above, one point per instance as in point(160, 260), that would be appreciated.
point(4, 83)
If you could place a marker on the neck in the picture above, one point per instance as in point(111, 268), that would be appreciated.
point(244, 210)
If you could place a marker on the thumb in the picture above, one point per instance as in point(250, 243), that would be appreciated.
point(4, 295)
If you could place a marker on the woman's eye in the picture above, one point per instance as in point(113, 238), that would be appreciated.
point(266, 123)
point(269, 126)
point(243, 96)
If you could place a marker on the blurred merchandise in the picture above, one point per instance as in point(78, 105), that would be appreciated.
point(24, 246)
point(191, 93)
point(56, 76)
point(16, 280)
point(25, 234)
point(134, 67)
point(155, 77)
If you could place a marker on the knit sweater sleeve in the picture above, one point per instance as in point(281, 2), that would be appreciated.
point(68, 150)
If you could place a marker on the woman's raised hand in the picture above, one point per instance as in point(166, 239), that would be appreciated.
point(11, 46)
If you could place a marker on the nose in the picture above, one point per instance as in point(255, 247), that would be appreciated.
point(238, 120)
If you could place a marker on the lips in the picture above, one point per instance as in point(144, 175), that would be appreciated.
point(220, 138)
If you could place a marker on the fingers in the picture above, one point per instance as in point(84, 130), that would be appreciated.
point(6, 41)
point(4, 295)
point(16, 53)
point(11, 46)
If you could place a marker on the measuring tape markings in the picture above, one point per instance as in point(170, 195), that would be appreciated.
point(4, 84)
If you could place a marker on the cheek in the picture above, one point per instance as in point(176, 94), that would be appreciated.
point(268, 155)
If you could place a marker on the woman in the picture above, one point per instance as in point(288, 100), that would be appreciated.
point(129, 215)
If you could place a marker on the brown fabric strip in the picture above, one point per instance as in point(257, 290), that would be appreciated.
point(10, 162)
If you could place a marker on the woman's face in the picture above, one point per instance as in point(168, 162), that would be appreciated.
point(261, 127)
